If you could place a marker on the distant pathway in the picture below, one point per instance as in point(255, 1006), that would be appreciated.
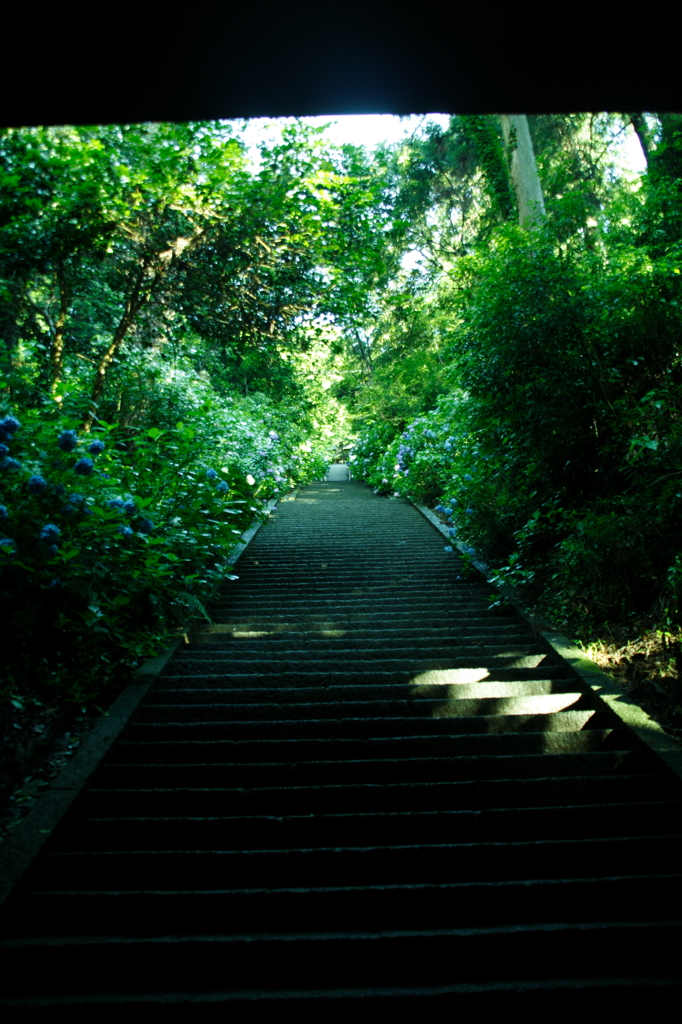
point(358, 783)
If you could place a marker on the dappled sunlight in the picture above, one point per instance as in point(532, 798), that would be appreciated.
point(448, 677)
point(471, 693)
point(546, 704)
point(220, 631)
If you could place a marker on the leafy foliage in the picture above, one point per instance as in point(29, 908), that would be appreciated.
point(553, 445)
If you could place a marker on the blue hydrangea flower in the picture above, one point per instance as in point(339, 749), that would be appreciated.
point(4, 450)
point(37, 484)
point(115, 503)
point(68, 510)
point(10, 465)
point(8, 544)
point(50, 533)
point(129, 507)
point(76, 499)
point(274, 435)
point(8, 426)
point(453, 502)
point(84, 467)
point(468, 476)
point(145, 526)
point(440, 508)
point(96, 447)
point(222, 487)
point(125, 530)
point(3, 512)
point(448, 549)
point(469, 511)
point(53, 550)
point(452, 532)
point(211, 474)
point(67, 440)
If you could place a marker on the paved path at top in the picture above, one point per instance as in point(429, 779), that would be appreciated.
point(358, 783)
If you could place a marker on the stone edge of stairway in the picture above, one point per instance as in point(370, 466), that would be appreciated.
point(648, 731)
point(18, 852)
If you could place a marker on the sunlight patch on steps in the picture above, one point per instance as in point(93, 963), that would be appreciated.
point(536, 704)
point(219, 631)
point(463, 692)
point(448, 677)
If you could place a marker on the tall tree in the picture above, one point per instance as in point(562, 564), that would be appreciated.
point(524, 171)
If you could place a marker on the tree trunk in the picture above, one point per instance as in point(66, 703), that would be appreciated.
point(134, 302)
point(364, 353)
point(524, 171)
point(57, 353)
point(642, 132)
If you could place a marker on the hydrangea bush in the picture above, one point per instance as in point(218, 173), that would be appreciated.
point(110, 540)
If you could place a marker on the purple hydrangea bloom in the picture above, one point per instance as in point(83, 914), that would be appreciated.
point(96, 447)
point(145, 526)
point(274, 435)
point(50, 533)
point(67, 440)
point(84, 467)
point(10, 464)
point(37, 484)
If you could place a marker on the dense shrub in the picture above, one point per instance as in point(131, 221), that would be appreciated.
point(558, 460)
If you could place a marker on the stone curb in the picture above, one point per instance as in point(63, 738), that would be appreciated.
point(648, 731)
point(20, 849)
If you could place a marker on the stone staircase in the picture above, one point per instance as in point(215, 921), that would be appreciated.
point(358, 784)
